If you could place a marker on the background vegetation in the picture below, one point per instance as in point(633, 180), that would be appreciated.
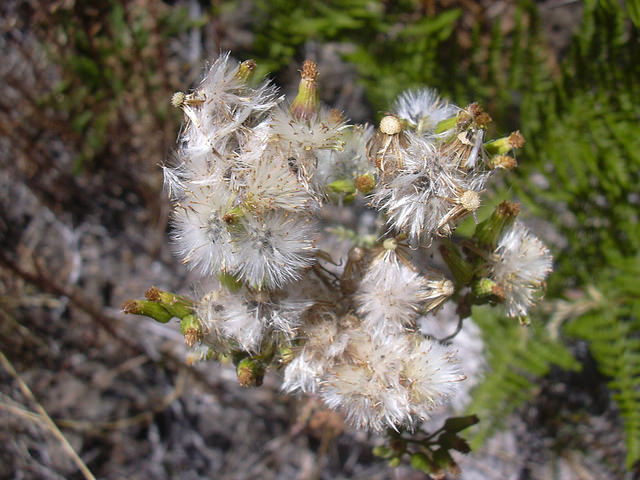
point(86, 121)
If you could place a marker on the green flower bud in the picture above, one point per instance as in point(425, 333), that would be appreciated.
point(365, 183)
point(147, 309)
point(250, 372)
point(461, 270)
point(457, 424)
point(176, 305)
point(245, 70)
point(504, 145)
point(394, 462)
point(487, 232)
point(485, 287)
point(383, 451)
point(343, 189)
point(342, 186)
point(191, 328)
point(421, 462)
point(307, 103)
point(443, 459)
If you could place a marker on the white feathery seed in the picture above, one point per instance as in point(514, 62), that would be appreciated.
point(520, 265)
point(269, 184)
point(431, 375)
point(324, 342)
point(315, 133)
point(238, 321)
point(349, 162)
point(275, 247)
point(245, 316)
point(423, 108)
point(226, 98)
point(389, 297)
point(390, 382)
point(200, 235)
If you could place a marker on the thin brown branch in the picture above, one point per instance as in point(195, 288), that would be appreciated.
point(45, 283)
point(455, 332)
point(107, 322)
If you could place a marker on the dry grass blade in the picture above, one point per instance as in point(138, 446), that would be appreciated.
point(45, 416)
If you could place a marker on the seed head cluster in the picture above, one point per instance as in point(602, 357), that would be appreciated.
point(249, 184)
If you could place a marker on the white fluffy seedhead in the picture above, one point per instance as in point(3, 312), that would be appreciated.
point(270, 184)
point(200, 235)
point(389, 297)
point(274, 248)
point(303, 143)
point(365, 386)
point(225, 96)
point(320, 131)
point(432, 375)
point(220, 114)
point(385, 383)
point(348, 162)
point(520, 265)
point(428, 182)
point(430, 201)
point(325, 341)
point(245, 316)
point(424, 198)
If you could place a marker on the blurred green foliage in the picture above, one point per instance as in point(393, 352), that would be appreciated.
point(111, 56)
point(585, 141)
point(516, 357)
point(396, 46)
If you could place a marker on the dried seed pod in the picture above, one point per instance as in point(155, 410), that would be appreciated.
point(387, 147)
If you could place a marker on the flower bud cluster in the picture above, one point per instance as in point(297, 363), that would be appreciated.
point(248, 184)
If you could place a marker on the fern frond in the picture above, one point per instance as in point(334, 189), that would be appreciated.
point(516, 357)
point(613, 330)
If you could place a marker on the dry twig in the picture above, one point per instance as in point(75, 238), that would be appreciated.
point(47, 419)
